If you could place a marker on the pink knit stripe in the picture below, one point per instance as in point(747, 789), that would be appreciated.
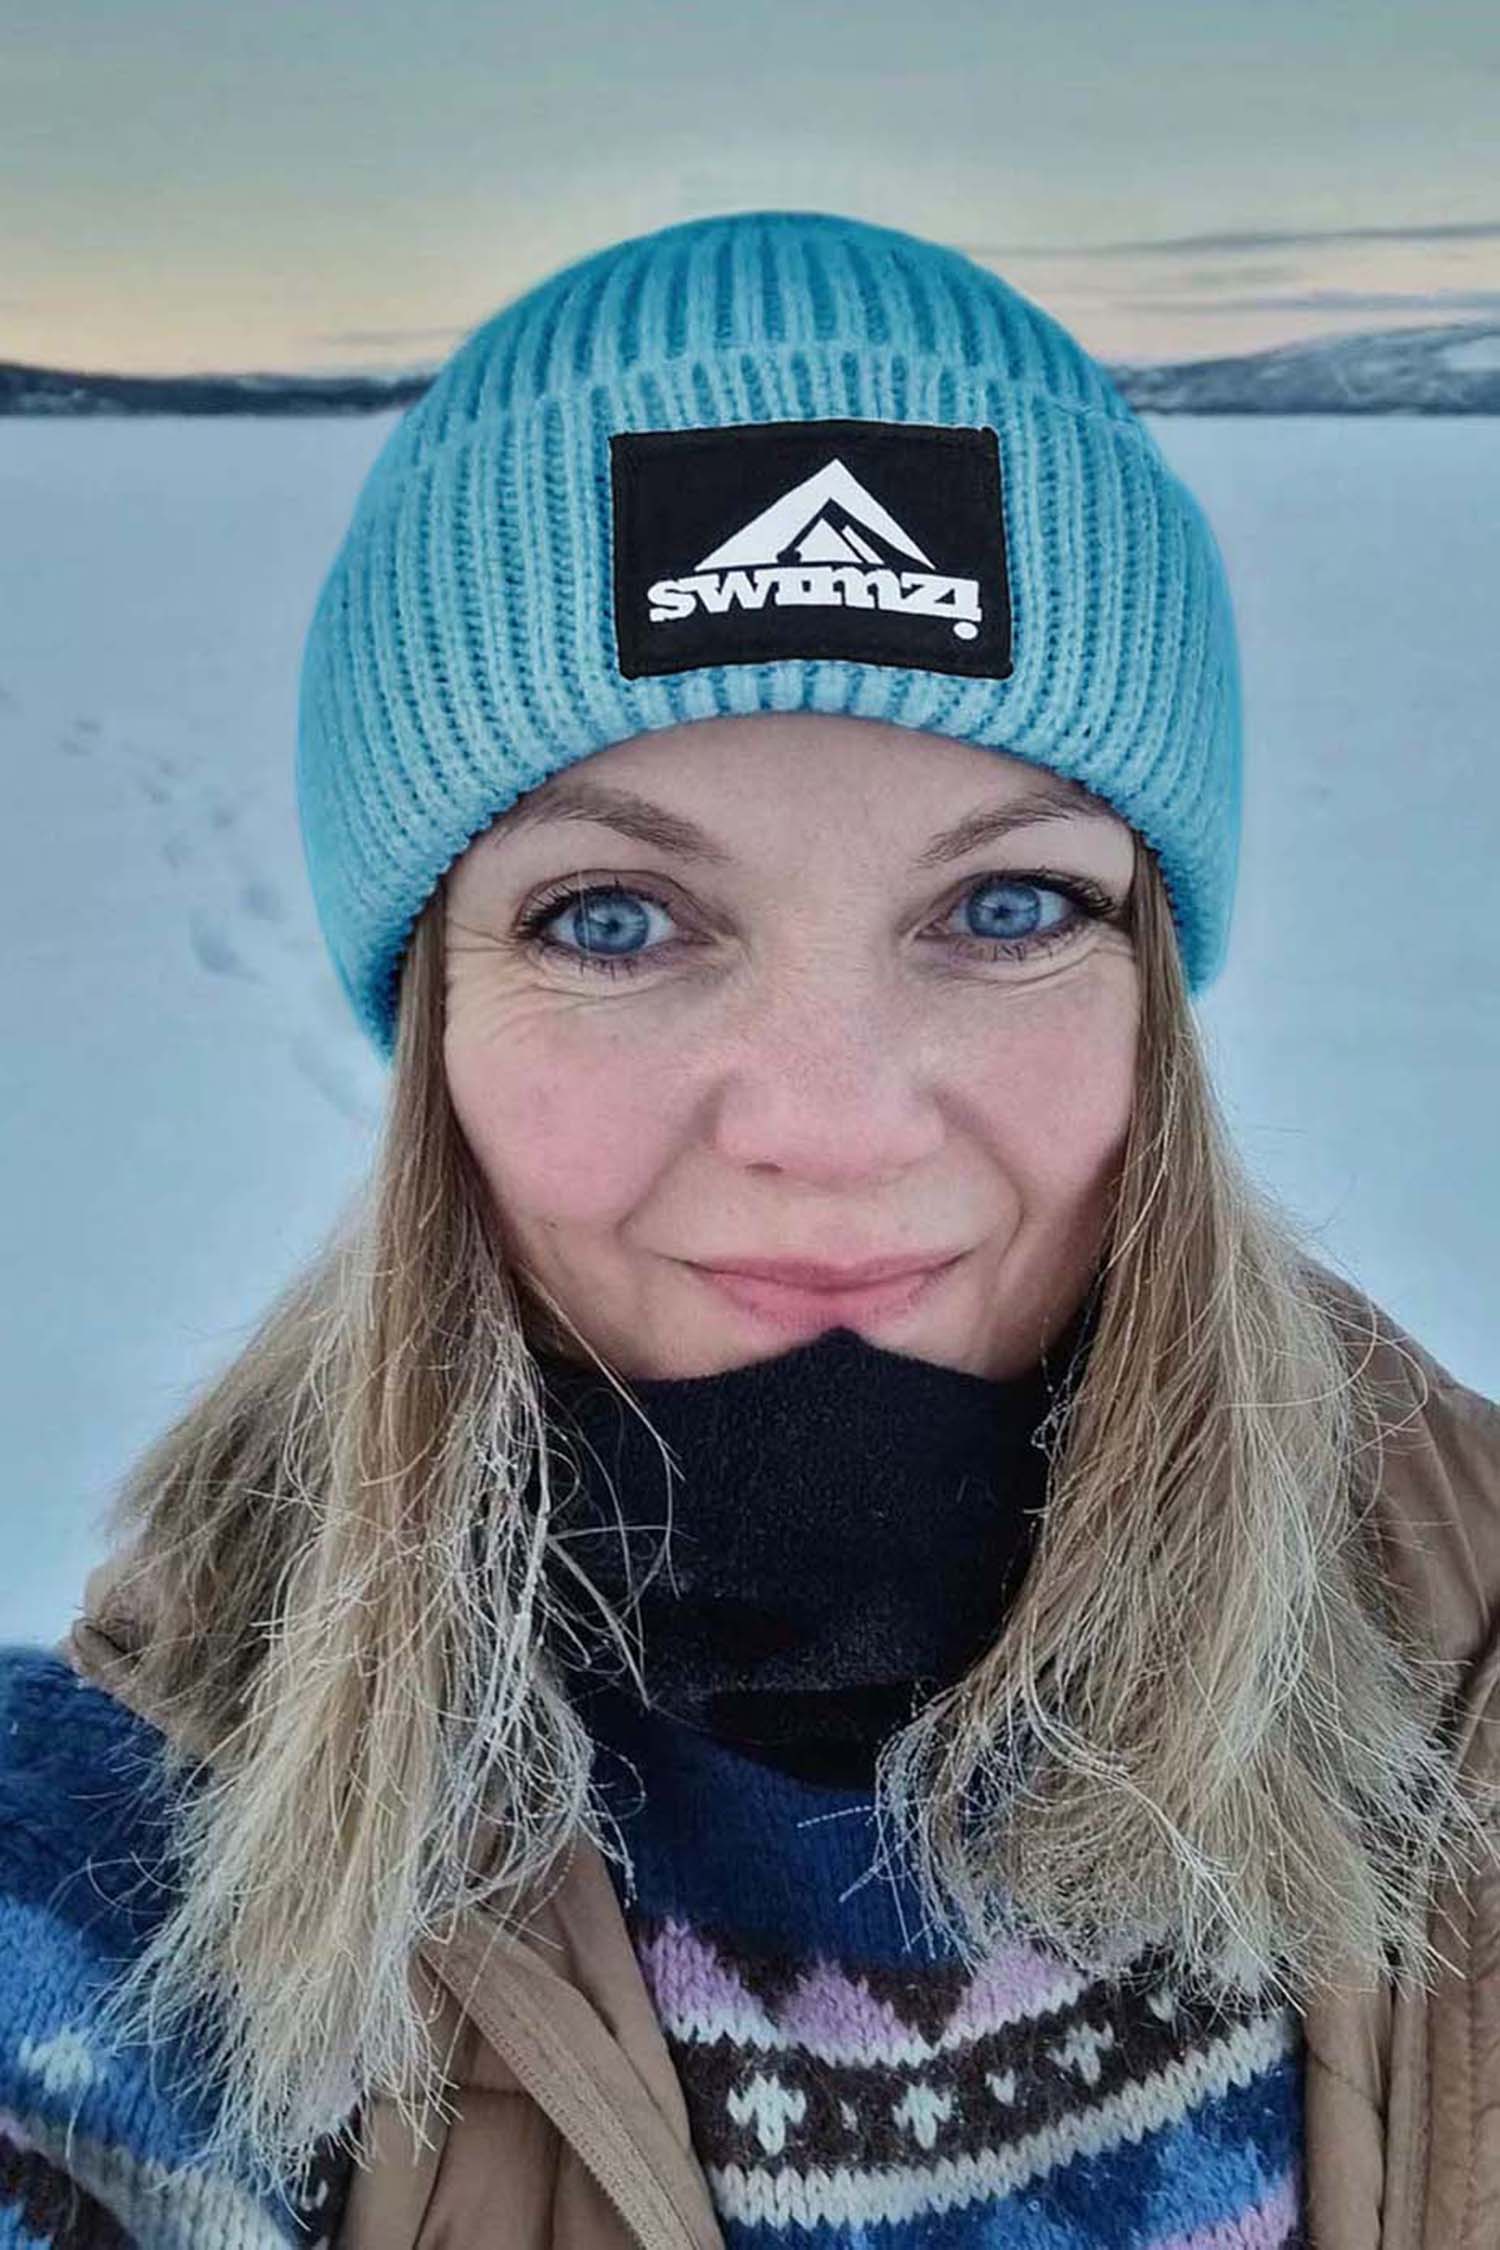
point(1016, 1981)
point(1267, 2226)
point(12, 2130)
point(830, 2011)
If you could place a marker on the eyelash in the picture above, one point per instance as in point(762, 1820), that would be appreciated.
point(1093, 904)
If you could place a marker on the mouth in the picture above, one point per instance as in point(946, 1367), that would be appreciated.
point(797, 1308)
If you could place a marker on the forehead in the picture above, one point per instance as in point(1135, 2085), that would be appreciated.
point(998, 793)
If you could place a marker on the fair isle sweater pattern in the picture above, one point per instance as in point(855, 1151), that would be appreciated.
point(851, 2084)
point(98, 2143)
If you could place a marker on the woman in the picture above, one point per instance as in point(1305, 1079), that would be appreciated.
point(631, 1750)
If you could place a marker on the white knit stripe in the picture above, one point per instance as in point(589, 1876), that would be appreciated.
point(171, 2207)
point(782, 2196)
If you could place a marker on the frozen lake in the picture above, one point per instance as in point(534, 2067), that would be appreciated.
point(186, 1098)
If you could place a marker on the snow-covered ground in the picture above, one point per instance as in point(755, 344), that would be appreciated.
point(187, 1102)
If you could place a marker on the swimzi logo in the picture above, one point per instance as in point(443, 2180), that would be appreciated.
point(826, 541)
point(877, 541)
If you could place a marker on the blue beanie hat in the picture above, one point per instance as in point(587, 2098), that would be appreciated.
point(773, 461)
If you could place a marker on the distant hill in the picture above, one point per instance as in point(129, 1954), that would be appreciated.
point(1452, 369)
point(57, 391)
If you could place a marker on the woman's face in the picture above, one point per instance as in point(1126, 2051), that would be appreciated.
point(790, 1010)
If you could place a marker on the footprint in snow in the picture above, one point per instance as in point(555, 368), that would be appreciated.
point(242, 909)
point(324, 1069)
point(215, 949)
point(81, 738)
point(260, 897)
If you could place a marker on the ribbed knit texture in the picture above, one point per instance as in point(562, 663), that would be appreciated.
point(99, 2145)
point(463, 649)
point(849, 2083)
point(781, 1622)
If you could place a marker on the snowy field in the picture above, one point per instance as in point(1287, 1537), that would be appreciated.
point(187, 1102)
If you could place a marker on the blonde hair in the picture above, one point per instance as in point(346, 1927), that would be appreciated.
point(1206, 1723)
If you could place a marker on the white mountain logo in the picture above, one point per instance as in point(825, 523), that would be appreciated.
point(827, 543)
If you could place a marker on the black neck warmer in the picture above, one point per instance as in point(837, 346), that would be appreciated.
point(847, 1531)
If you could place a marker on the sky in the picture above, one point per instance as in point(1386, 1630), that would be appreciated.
point(354, 184)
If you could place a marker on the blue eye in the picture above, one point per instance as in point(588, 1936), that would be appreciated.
point(608, 921)
point(994, 907)
point(611, 919)
point(609, 916)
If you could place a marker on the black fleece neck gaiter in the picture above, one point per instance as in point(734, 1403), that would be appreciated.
point(848, 1528)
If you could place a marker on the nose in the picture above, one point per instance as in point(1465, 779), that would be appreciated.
point(835, 1094)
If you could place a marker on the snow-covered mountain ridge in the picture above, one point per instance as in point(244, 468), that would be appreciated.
point(1451, 368)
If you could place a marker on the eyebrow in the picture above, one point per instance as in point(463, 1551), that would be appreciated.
point(577, 796)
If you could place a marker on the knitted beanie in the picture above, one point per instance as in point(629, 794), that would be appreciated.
point(772, 461)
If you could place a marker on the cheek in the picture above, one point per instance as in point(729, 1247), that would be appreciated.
point(574, 1141)
point(1057, 1094)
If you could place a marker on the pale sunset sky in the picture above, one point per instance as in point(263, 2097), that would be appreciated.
point(335, 186)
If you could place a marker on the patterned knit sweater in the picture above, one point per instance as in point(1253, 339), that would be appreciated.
point(850, 2085)
point(98, 2146)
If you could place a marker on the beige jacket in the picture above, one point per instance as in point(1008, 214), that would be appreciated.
point(572, 2131)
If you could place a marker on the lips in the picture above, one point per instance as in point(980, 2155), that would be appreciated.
point(798, 1310)
point(806, 1273)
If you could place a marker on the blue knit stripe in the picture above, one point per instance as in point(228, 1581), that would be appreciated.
point(85, 1877)
point(711, 1813)
point(15, 2236)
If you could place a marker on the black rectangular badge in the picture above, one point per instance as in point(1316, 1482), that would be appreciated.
point(883, 542)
